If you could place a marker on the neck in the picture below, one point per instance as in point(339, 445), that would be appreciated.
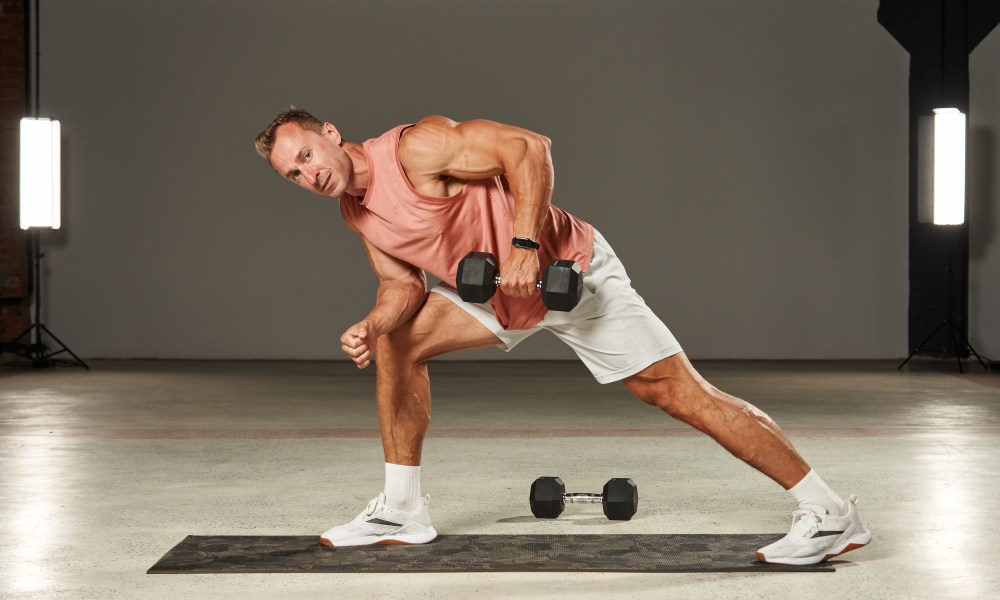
point(359, 169)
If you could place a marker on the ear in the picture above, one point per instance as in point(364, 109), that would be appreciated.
point(330, 130)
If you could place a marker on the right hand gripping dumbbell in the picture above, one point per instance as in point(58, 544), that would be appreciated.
point(561, 283)
point(620, 498)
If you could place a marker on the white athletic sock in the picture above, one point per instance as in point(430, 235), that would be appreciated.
point(402, 487)
point(813, 490)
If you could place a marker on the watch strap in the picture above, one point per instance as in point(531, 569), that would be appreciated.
point(523, 242)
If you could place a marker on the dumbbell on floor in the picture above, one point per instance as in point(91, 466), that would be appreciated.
point(620, 498)
point(561, 283)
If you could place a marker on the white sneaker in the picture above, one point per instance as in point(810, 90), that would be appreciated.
point(379, 524)
point(817, 536)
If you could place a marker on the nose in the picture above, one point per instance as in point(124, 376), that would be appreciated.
point(311, 175)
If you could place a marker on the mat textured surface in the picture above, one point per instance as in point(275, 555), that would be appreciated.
point(639, 553)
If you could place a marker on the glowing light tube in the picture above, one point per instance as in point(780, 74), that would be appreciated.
point(40, 169)
point(949, 166)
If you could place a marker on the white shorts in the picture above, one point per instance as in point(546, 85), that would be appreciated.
point(612, 330)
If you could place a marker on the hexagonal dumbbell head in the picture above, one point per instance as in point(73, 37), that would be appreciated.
point(562, 285)
point(476, 278)
point(621, 499)
point(546, 497)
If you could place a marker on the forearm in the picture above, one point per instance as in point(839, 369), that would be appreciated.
point(396, 303)
point(531, 179)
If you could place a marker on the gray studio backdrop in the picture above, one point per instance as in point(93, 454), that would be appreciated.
point(748, 160)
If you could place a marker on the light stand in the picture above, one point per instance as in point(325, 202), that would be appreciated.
point(939, 36)
point(36, 351)
point(941, 199)
point(40, 182)
point(954, 331)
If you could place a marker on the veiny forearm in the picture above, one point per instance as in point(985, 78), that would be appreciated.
point(531, 177)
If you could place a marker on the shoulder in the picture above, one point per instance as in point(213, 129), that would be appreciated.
point(430, 132)
point(430, 143)
point(438, 134)
point(436, 123)
point(441, 132)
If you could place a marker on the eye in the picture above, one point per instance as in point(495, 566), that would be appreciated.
point(308, 154)
point(296, 174)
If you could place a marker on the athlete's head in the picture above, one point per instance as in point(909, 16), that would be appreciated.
point(306, 151)
point(265, 140)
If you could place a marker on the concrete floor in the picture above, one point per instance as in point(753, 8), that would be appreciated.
point(102, 472)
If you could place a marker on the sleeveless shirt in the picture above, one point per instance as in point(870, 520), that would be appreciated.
point(434, 233)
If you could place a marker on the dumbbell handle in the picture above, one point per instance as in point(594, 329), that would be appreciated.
point(584, 498)
point(538, 284)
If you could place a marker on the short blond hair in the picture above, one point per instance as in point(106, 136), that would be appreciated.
point(264, 142)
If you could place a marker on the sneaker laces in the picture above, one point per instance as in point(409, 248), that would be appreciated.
point(805, 522)
point(372, 507)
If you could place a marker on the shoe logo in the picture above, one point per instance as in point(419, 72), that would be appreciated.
point(826, 533)
point(381, 522)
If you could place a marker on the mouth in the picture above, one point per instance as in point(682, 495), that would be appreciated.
point(326, 183)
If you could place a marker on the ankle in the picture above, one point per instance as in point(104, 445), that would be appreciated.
point(402, 487)
point(812, 490)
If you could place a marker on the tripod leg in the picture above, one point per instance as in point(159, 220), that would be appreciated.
point(921, 345)
point(968, 346)
point(23, 333)
point(24, 350)
point(953, 341)
point(64, 347)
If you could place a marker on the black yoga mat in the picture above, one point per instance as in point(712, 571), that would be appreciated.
point(667, 553)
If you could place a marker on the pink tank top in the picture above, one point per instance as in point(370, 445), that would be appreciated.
point(434, 234)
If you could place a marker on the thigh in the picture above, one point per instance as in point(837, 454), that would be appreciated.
point(619, 343)
point(674, 373)
point(440, 327)
point(612, 330)
point(483, 313)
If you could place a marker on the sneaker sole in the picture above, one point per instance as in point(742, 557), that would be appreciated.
point(859, 541)
point(373, 540)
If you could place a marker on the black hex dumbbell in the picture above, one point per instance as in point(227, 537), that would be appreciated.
point(561, 283)
point(620, 498)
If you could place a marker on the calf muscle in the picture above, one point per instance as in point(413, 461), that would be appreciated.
point(747, 432)
point(403, 391)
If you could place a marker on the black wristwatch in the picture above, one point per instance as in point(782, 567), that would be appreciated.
point(523, 242)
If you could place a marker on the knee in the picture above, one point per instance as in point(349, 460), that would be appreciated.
point(696, 402)
point(678, 398)
point(401, 347)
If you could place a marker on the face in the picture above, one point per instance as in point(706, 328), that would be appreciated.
point(312, 160)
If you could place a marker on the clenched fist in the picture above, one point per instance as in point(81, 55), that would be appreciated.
point(359, 343)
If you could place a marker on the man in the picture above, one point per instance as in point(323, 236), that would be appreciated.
point(421, 197)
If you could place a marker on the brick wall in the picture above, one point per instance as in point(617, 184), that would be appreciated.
point(14, 307)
